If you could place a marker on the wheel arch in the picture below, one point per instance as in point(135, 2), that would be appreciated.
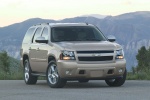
point(25, 56)
point(51, 57)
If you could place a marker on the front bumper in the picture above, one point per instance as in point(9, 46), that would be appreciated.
point(74, 70)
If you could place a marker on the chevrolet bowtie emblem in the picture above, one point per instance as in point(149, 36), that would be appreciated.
point(96, 55)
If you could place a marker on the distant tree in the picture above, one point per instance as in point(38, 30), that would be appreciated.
point(143, 58)
point(148, 58)
point(133, 69)
point(4, 61)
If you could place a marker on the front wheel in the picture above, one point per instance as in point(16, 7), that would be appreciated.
point(118, 81)
point(53, 78)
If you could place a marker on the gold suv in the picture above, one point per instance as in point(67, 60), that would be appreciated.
point(71, 51)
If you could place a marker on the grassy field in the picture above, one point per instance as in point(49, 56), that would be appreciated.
point(138, 76)
point(13, 76)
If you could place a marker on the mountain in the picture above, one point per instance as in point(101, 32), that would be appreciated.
point(132, 30)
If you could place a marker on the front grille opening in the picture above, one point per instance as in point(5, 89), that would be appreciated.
point(82, 72)
point(103, 58)
point(111, 71)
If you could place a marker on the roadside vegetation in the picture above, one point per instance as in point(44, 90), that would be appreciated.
point(10, 68)
point(142, 70)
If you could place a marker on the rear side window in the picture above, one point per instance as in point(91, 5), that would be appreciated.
point(37, 34)
point(28, 36)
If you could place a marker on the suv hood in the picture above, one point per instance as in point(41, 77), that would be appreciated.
point(87, 45)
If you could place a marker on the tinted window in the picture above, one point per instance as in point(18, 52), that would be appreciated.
point(37, 34)
point(45, 33)
point(76, 33)
point(28, 35)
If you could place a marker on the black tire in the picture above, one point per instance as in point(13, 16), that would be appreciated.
point(28, 77)
point(52, 76)
point(83, 80)
point(117, 82)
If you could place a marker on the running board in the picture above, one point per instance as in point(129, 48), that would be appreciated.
point(38, 74)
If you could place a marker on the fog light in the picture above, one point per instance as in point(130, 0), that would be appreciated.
point(67, 72)
point(120, 70)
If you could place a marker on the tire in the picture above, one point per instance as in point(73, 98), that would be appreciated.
point(52, 76)
point(83, 80)
point(117, 82)
point(28, 77)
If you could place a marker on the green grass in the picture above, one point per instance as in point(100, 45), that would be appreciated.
point(138, 76)
point(13, 76)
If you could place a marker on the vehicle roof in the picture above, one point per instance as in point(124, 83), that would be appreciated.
point(65, 24)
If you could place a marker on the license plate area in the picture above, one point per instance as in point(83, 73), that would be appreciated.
point(96, 73)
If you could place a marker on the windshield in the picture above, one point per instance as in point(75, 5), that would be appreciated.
point(76, 33)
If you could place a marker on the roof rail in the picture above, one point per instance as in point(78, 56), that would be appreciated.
point(85, 23)
point(42, 24)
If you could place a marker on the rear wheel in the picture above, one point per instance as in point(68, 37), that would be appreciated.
point(116, 82)
point(28, 77)
point(53, 78)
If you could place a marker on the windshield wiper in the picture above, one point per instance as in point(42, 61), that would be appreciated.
point(64, 40)
point(93, 39)
point(87, 39)
point(57, 41)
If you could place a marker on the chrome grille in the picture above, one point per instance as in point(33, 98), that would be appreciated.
point(98, 55)
point(104, 58)
point(109, 51)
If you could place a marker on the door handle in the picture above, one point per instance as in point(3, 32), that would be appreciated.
point(37, 49)
point(29, 48)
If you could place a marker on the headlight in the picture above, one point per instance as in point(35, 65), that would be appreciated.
point(67, 55)
point(119, 54)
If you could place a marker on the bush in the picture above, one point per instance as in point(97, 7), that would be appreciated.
point(10, 68)
point(138, 76)
point(14, 76)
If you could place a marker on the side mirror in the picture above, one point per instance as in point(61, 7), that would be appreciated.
point(111, 38)
point(41, 40)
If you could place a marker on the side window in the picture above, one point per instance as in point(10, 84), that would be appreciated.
point(45, 33)
point(27, 37)
point(37, 34)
